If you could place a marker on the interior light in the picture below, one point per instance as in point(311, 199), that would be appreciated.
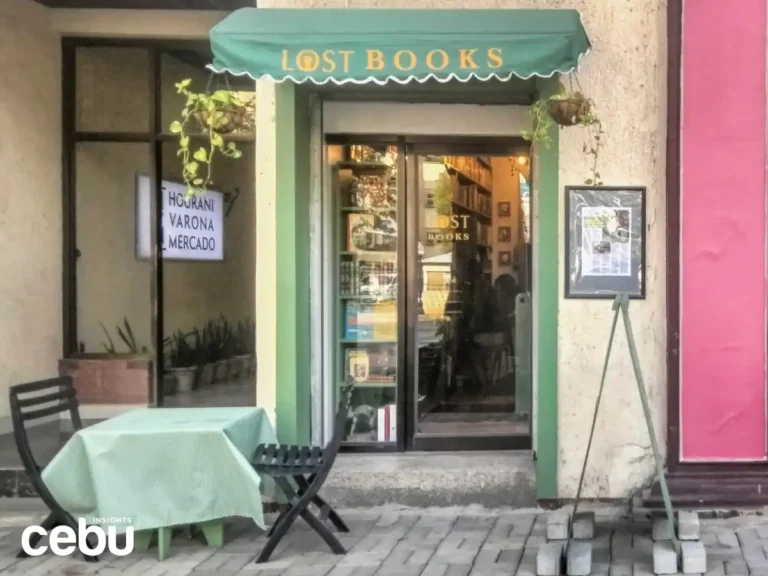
point(522, 160)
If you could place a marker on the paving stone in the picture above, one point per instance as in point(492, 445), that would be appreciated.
point(727, 539)
point(622, 568)
point(660, 530)
point(715, 568)
point(600, 568)
point(510, 557)
point(694, 557)
point(579, 558)
point(736, 567)
point(584, 526)
point(557, 525)
point(664, 558)
point(688, 527)
point(549, 559)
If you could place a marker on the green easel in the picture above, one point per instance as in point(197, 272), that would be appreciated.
point(621, 306)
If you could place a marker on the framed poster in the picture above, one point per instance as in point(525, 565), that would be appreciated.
point(604, 241)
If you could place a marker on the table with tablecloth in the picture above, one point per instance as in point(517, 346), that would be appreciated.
point(162, 467)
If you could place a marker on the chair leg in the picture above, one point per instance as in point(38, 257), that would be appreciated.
point(279, 518)
point(283, 524)
point(323, 531)
point(333, 516)
point(50, 522)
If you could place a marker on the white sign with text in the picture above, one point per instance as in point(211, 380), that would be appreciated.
point(193, 228)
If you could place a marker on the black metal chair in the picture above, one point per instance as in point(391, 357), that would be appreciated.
point(33, 401)
point(308, 467)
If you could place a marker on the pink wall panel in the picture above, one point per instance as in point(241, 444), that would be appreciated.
point(723, 291)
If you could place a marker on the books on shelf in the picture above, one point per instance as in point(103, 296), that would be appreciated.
point(386, 423)
point(365, 278)
point(370, 322)
point(471, 167)
point(368, 191)
point(371, 233)
point(372, 365)
point(483, 234)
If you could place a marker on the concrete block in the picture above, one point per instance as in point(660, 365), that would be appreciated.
point(664, 558)
point(688, 525)
point(579, 558)
point(557, 525)
point(694, 557)
point(549, 560)
point(660, 529)
point(584, 526)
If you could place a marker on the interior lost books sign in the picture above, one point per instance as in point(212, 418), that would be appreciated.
point(193, 228)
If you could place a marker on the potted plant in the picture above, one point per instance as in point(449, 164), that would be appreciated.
point(204, 370)
point(244, 346)
point(228, 350)
point(213, 344)
point(217, 114)
point(183, 363)
point(569, 108)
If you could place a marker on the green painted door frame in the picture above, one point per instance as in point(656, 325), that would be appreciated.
point(292, 247)
point(547, 257)
point(293, 296)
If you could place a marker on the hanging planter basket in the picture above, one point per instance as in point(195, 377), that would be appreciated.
point(569, 111)
point(232, 119)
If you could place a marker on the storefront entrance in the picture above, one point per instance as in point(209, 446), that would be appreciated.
point(432, 252)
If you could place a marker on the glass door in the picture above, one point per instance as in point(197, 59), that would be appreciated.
point(469, 290)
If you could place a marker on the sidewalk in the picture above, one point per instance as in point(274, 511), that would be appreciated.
point(393, 541)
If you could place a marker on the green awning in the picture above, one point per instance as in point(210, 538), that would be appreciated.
point(379, 45)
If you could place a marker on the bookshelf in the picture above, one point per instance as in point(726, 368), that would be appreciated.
point(366, 288)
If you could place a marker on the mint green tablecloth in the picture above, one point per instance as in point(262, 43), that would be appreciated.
point(163, 466)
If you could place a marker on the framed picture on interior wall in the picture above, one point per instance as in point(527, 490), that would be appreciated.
point(505, 258)
point(604, 241)
point(505, 233)
point(504, 209)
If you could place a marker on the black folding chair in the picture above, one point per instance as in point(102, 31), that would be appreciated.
point(30, 402)
point(308, 467)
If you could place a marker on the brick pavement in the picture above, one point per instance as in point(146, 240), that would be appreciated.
point(408, 542)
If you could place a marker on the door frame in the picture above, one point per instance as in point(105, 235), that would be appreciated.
point(442, 146)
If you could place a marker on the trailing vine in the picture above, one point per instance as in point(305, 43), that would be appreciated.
point(217, 114)
point(569, 108)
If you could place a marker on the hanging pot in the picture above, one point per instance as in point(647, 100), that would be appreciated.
point(569, 111)
point(234, 113)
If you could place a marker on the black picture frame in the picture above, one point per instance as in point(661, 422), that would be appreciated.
point(504, 209)
point(505, 258)
point(504, 234)
point(614, 263)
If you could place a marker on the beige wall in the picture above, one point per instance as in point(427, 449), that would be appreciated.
point(625, 73)
point(30, 203)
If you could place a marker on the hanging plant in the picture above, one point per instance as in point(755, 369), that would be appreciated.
point(569, 108)
point(216, 114)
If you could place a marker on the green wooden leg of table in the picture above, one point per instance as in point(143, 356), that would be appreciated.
point(163, 542)
point(142, 539)
point(213, 532)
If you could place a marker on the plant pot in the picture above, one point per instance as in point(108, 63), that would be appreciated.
point(569, 111)
point(206, 375)
point(222, 371)
point(234, 114)
point(169, 384)
point(185, 378)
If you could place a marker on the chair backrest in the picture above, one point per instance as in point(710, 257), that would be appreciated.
point(36, 400)
point(339, 425)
